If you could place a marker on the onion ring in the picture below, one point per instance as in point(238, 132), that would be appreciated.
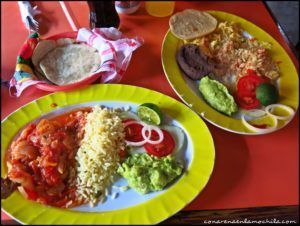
point(140, 143)
point(131, 143)
point(145, 128)
point(289, 109)
point(150, 128)
point(256, 113)
point(134, 122)
point(259, 130)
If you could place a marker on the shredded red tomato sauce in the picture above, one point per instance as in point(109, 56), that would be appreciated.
point(42, 159)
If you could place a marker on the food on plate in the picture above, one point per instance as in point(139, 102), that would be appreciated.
point(73, 158)
point(246, 102)
point(42, 48)
point(156, 141)
point(39, 74)
point(228, 46)
point(242, 73)
point(267, 94)
point(191, 23)
point(71, 63)
point(64, 61)
point(280, 111)
point(259, 121)
point(7, 187)
point(235, 54)
point(145, 173)
point(98, 156)
point(193, 62)
point(177, 134)
point(164, 148)
point(246, 95)
point(247, 84)
point(42, 159)
point(150, 113)
point(133, 132)
point(217, 96)
point(266, 120)
point(254, 90)
point(65, 41)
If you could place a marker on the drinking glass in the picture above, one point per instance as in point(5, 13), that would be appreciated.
point(160, 8)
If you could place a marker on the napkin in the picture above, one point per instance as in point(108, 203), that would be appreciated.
point(24, 76)
point(115, 49)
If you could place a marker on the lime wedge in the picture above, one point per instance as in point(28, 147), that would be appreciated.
point(149, 113)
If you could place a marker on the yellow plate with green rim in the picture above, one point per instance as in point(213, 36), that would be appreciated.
point(288, 83)
point(129, 208)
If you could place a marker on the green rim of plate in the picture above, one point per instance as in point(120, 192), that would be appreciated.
point(150, 212)
point(288, 82)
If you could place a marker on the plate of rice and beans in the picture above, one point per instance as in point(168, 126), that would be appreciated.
point(96, 156)
point(231, 72)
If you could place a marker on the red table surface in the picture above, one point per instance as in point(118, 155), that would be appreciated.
point(249, 171)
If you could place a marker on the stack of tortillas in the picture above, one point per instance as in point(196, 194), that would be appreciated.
point(191, 23)
point(64, 62)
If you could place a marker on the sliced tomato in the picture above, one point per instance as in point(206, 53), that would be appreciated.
point(246, 102)
point(162, 149)
point(246, 85)
point(251, 72)
point(133, 132)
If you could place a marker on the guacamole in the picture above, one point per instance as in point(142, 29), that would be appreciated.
point(217, 96)
point(145, 173)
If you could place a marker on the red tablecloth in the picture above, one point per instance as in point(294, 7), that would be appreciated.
point(249, 170)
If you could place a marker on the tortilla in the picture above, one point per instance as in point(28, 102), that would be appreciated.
point(42, 48)
point(191, 23)
point(72, 63)
point(65, 41)
point(41, 76)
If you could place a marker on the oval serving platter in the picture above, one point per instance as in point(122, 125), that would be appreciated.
point(187, 90)
point(129, 207)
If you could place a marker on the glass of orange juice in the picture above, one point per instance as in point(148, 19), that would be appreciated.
point(160, 8)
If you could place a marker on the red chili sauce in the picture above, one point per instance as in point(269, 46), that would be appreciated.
point(42, 159)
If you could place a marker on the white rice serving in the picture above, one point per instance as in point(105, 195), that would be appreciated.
point(98, 157)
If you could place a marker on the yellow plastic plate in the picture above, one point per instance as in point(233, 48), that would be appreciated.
point(288, 83)
point(153, 209)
